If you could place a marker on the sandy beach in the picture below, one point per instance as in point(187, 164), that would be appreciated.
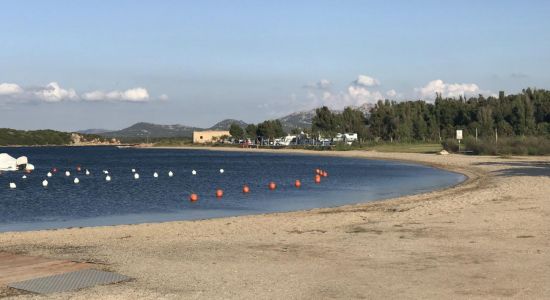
point(487, 238)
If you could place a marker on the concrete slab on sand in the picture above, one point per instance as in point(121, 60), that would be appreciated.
point(68, 281)
point(45, 275)
point(16, 268)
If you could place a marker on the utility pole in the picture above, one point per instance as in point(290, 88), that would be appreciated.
point(476, 134)
point(496, 135)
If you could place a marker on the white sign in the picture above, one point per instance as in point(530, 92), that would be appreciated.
point(459, 134)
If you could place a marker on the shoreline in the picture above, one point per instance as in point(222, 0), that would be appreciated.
point(468, 176)
point(296, 236)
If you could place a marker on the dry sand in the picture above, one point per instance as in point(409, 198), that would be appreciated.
point(487, 238)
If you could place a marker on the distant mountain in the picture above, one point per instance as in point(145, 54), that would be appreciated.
point(143, 130)
point(365, 108)
point(93, 131)
point(225, 124)
point(153, 130)
point(297, 120)
point(304, 119)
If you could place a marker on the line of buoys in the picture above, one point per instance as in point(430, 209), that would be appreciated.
point(319, 173)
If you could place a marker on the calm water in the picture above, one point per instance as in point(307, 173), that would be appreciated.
point(125, 200)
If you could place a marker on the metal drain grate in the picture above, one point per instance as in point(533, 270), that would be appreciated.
point(68, 281)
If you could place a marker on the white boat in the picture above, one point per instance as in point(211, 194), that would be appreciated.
point(9, 163)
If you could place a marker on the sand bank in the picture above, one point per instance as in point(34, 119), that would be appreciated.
point(486, 238)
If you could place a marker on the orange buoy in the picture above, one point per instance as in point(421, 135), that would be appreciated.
point(193, 197)
point(54, 170)
point(317, 171)
point(325, 173)
point(317, 179)
point(219, 193)
point(78, 168)
point(297, 183)
point(246, 189)
point(272, 185)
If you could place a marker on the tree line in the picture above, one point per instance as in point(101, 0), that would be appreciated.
point(39, 137)
point(269, 129)
point(523, 114)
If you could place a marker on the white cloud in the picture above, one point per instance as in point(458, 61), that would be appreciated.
point(367, 81)
point(323, 84)
point(452, 90)
point(391, 93)
point(362, 95)
point(10, 89)
point(358, 92)
point(138, 94)
point(54, 93)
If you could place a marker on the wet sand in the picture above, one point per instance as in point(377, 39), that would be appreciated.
point(487, 238)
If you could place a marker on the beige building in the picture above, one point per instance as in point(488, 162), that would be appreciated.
point(208, 136)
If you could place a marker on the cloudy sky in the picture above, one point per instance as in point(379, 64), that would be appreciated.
point(73, 65)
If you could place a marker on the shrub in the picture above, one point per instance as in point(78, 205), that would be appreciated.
point(532, 145)
point(450, 145)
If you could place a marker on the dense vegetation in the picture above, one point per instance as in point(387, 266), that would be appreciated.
point(524, 114)
point(513, 124)
point(267, 129)
point(38, 137)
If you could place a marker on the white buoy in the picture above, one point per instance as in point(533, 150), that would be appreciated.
point(87, 172)
point(105, 172)
point(221, 171)
point(67, 173)
point(24, 176)
point(49, 174)
point(170, 174)
point(133, 170)
point(156, 175)
point(136, 176)
point(45, 183)
point(76, 180)
point(194, 172)
point(107, 178)
point(12, 185)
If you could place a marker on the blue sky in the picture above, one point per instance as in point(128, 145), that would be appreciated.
point(106, 64)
